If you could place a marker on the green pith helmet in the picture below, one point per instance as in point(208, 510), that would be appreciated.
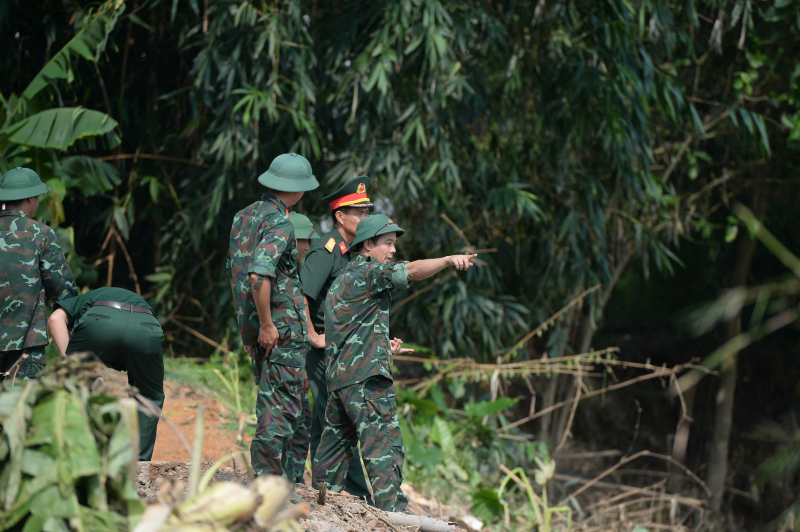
point(289, 173)
point(375, 225)
point(21, 183)
point(351, 194)
point(303, 228)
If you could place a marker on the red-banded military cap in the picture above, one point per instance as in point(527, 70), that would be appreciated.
point(351, 194)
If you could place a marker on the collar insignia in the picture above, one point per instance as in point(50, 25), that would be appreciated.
point(342, 247)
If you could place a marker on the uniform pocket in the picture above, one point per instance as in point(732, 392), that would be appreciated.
point(379, 394)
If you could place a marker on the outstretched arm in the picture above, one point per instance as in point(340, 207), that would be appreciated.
point(59, 330)
point(422, 269)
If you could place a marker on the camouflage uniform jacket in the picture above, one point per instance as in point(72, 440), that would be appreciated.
point(32, 268)
point(357, 321)
point(262, 242)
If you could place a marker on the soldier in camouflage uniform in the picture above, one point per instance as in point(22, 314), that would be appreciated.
point(262, 267)
point(32, 268)
point(361, 403)
point(304, 233)
point(326, 260)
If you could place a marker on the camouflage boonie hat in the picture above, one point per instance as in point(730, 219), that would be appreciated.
point(375, 225)
point(351, 194)
point(289, 172)
point(21, 183)
point(303, 228)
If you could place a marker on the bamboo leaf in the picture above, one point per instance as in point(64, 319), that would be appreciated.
point(89, 43)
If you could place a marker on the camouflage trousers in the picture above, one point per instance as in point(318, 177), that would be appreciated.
point(278, 411)
point(364, 413)
point(300, 441)
point(29, 368)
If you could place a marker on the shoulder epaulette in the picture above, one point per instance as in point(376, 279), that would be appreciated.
point(330, 244)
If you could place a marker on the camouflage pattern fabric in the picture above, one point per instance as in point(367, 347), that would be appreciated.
point(28, 369)
point(278, 412)
point(32, 268)
point(364, 413)
point(357, 321)
point(300, 441)
point(262, 242)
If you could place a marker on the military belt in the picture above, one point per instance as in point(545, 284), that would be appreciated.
point(123, 306)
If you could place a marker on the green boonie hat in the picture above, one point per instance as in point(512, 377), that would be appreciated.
point(303, 228)
point(375, 225)
point(21, 183)
point(351, 194)
point(289, 173)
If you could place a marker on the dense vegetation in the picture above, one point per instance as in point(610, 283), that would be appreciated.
point(572, 143)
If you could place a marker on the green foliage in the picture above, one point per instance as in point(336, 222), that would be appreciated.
point(229, 379)
point(486, 505)
point(487, 408)
point(58, 129)
point(88, 43)
point(68, 455)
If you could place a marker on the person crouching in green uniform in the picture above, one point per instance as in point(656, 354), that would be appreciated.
point(325, 261)
point(304, 234)
point(361, 402)
point(32, 269)
point(120, 328)
point(265, 280)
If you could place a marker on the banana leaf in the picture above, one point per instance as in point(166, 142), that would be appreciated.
point(60, 128)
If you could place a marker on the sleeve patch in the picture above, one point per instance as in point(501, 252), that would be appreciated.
point(330, 244)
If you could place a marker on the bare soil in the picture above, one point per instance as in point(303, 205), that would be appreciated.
point(340, 513)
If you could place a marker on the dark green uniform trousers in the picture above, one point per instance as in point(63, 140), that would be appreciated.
point(355, 482)
point(364, 413)
point(127, 341)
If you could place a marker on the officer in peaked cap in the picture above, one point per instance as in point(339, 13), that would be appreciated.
point(32, 268)
point(326, 259)
point(265, 280)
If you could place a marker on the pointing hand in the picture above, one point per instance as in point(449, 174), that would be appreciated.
point(462, 262)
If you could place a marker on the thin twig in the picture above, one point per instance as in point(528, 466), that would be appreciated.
point(129, 261)
point(630, 459)
point(150, 156)
point(578, 382)
point(421, 291)
point(147, 404)
point(550, 320)
point(636, 428)
point(457, 230)
point(201, 336)
point(12, 371)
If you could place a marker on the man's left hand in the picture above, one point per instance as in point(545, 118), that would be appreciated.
point(395, 344)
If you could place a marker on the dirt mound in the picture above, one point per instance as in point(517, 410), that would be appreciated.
point(340, 513)
point(149, 472)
